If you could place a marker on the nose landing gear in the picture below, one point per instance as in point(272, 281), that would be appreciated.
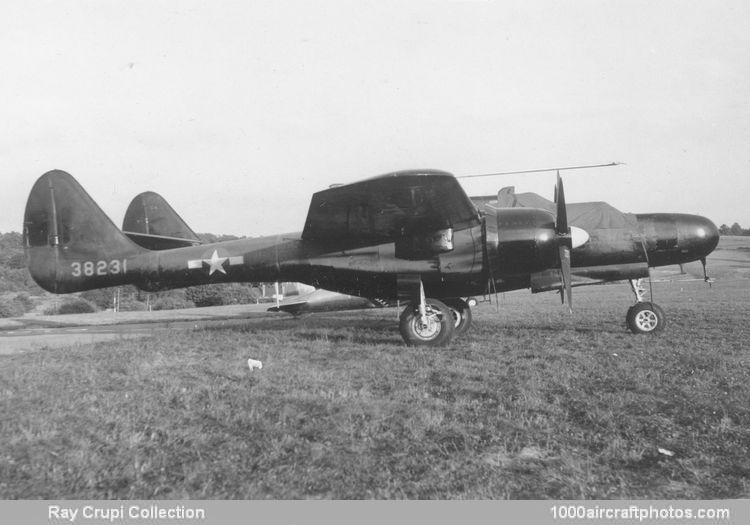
point(644, 317)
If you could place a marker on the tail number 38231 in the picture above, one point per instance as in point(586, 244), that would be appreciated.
point(91, 268)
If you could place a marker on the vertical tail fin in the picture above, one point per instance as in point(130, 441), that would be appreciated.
point(71, 245)
point(152, 223)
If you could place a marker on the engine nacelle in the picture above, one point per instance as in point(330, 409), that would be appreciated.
point(521, 241)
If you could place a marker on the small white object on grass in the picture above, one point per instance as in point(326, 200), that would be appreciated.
point(253, 364)
point(665, 452)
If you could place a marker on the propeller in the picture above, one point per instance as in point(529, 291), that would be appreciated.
point(565, 243)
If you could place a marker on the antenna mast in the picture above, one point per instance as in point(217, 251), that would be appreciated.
point(541, 170)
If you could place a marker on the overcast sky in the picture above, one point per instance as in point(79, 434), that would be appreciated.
point(236, 112)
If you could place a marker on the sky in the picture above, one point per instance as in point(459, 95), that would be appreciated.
point(236, 112)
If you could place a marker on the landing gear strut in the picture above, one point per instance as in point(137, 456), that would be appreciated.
point(428, 324)
point(644, 317)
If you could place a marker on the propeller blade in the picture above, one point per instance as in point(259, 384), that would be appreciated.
point(562, 212)
point(565, 243)
point(567, 289)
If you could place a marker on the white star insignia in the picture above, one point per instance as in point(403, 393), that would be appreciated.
point(216, 263)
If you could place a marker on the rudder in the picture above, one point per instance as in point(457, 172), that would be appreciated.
point(71, 244)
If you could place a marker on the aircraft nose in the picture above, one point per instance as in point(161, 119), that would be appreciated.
point(700, 234)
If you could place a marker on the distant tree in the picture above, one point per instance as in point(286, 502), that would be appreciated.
point(10, 308)
point(17, 261)
point(14, 276)
point(17, 280)
point(11, 250)
point(24, 300)
point(220, 294)
point(72, 305)
point(15, 306)
point(171, 302)
point(211, 238)
point(736, 229)
point(102, 297)
point(129, 303)
point(724, 230)
point(11, 240)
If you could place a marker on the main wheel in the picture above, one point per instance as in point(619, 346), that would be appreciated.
point(434, 329)
point(646, 318)
point(461, 314)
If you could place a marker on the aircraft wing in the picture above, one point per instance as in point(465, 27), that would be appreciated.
point(587, 215)
point(403, 207)
point(321, 300)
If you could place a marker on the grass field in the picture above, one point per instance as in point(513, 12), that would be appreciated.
point(533, 403)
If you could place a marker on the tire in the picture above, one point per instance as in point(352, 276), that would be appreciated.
point(646, 318)
point(461, 314)
point(436, 330)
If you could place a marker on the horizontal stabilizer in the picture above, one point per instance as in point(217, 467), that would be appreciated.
point(159, 242)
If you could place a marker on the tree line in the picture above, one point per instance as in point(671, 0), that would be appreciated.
point(734, 229)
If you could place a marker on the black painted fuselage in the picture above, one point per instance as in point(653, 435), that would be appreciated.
point(379, 239)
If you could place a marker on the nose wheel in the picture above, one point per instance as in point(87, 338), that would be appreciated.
point(644, 317)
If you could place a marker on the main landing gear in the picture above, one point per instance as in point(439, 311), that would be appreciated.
point(461, 313)
point(428, 324)
point(644, 317)
point(434, 322)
